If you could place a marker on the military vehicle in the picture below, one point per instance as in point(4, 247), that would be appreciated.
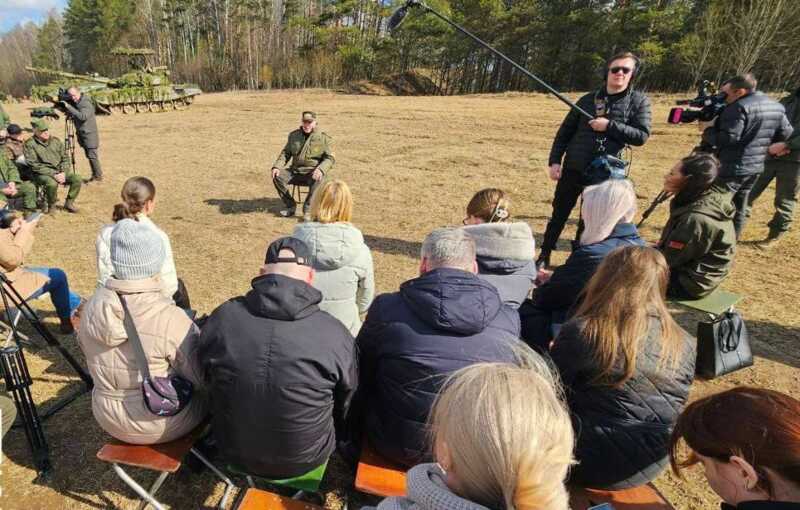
point(143, 89)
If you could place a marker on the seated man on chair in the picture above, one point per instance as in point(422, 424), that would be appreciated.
point(309, 150)
point(280, 372)
point(13, 187)
point(50, 167)
point(16, 241)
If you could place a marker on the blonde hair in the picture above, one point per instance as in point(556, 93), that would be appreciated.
point(332, 202)
point(604, 206)
point(507, 432)
point(628, 287)
point(490, 205)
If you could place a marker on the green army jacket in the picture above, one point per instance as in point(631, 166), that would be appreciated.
point(699, 240)
point(792, 105)
point(306, 154)
point(5, 120)
point(46, 158)
point(8, 171)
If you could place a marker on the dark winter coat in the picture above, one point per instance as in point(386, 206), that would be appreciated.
point(792, 106)
point(569, 279)
point(280, 374)
point(629, 113)
point(699, 241)
point(621, 432)
point(763, 505)
point(85, 121)
point(411, 341)
point(743, 132)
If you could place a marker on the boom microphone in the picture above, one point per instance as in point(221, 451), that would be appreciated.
point(397, 18)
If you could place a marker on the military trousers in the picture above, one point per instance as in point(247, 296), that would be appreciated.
point(787, 185)
point(286, 178)
point(50, 185)
point(26, 193)
point(740, 186)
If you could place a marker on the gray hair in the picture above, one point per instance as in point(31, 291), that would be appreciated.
point(449, 247)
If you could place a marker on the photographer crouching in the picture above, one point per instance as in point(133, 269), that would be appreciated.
point(740, 137)
point(622, 117)
point(81, 110)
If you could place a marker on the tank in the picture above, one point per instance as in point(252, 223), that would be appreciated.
point(143, 89)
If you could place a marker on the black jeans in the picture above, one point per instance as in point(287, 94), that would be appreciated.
point(740, 186)
point(568, 190)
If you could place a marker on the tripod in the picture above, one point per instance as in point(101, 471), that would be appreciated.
point(69, 139)
point(17, 378)
point(662, 197)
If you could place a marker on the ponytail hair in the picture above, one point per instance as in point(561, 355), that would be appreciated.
point(136, 192)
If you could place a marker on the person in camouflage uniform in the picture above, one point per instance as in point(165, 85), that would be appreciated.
point(50, 166)
point(5, 120)
point(12, 186)
point(311, 155)
point(783, 165)
point(13, 146)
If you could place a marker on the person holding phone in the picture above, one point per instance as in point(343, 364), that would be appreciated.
point(16, 243)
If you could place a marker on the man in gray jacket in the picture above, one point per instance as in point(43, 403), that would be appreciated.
point(81, 111)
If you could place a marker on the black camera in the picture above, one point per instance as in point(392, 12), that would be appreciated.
point(705, 107)
point(63, 96)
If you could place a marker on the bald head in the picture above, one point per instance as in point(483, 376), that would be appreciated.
point(289, 269)
point(74, 93)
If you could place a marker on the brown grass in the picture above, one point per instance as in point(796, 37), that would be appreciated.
point(412, 163)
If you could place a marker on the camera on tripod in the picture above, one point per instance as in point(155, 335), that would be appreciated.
point(705, 107)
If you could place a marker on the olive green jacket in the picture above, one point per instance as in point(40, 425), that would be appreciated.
point(307, 154)
point(5, 120)
point(46, 158)
point(8, 172)
point(792, 105)
point(699, 241)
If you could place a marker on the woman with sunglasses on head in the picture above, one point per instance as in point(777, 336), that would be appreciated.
point(622, 118)
point(504, 248)
point(748, 441)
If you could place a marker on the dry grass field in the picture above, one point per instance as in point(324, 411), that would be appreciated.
point(413, 163)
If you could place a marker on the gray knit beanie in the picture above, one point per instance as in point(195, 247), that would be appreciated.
point(136, 250)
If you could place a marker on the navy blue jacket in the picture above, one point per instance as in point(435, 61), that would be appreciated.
point(569, 279)
point(411, 341)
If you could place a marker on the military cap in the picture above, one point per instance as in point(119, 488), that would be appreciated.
point(309, 116)
point(39, 125)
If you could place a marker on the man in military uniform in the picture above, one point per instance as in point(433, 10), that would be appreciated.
point(12, 186)
point(81, 111)
point(50, 166)
point(13, 146)
point(783, 165)
point(309, 150)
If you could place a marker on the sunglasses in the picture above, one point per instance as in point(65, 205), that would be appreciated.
point(616, 69)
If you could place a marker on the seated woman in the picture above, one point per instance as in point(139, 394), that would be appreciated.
point(698, 240)
point(627, 368)
point(342, 261)
point(167, 335)
point(511, 448)
point(607, 211)
point(505, 250)
point(748, 441)
point(16, 242)
point(138, 203)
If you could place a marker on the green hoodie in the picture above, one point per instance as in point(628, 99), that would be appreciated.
point(698, 241)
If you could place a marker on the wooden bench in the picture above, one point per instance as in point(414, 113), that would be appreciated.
point(378, 476)
point(716, 303)
point(306, 483)
point(256, 499)
point(165, 458)
point(645, 497)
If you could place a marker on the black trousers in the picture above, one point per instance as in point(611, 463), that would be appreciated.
point(568, 190)
point(740, 186)
point(94, 160)
point(286, 178)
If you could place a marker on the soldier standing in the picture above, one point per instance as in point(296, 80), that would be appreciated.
point(309, 150)
point(50, 166)
point(81, 111)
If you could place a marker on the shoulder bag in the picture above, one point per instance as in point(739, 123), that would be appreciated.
point(723, 346)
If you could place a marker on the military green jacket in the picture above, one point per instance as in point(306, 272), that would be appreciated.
point(306, 154)
point(46, 158)
point(699, 240)
point(792, 106)
point(8, 172)
point(5, 120)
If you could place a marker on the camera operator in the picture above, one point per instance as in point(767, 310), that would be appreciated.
point(740, 137)
point(81, 110)
point(622, 117)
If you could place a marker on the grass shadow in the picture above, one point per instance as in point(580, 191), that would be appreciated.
point(391, 246)
point(245, 205)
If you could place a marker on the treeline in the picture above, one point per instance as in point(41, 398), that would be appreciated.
point(252, 44)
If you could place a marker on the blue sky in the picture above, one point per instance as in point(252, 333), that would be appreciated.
point(13, 12)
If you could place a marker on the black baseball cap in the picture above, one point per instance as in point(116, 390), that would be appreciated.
point(13, 129)
point(301, 252)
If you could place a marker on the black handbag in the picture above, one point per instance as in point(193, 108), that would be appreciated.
point(723, 346)
point(163, 396)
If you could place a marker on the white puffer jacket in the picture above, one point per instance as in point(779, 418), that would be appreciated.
point(343, 265)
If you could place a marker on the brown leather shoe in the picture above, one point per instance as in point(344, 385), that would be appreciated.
point(69, 206)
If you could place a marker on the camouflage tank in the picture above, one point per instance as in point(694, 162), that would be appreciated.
point(146, 89)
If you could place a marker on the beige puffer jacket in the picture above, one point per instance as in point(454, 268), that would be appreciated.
point(168, 337)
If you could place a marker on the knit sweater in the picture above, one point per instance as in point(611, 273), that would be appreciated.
point(426, 490)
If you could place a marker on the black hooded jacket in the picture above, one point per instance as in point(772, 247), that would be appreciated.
point(412, 340)
point(280, 374)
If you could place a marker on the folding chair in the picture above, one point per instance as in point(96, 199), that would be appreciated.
point(307, 482)
point(299, 190)
point(15, 315)
point(378, 476)
point(165, 458)
point(645, 497)
point(256, 499)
